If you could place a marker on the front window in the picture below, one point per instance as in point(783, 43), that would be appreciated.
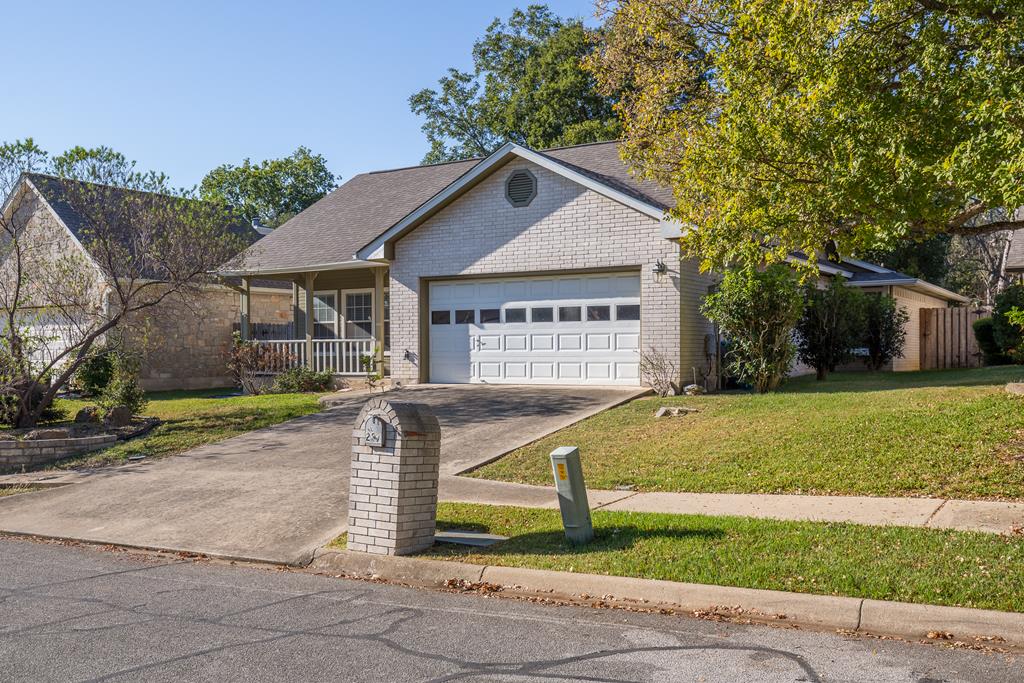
point(358, 315)
point(325, 316)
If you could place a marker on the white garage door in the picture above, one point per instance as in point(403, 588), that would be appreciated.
point(563, 329)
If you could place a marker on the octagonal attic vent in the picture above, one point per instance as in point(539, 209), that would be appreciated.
point(521, 188)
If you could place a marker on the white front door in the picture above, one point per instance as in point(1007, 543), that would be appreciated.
point(560, 329)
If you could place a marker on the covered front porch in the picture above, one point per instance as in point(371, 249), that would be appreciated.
point(340, 320)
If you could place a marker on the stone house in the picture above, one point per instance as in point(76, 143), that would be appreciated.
point(183, 343)
point(552, 267)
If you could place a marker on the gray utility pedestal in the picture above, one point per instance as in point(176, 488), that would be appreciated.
point(572, 494)
point(396, 449)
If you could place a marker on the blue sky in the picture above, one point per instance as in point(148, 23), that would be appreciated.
point(185, 86)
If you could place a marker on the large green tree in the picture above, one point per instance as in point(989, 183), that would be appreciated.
point(527, 86)
point(788, 124)
point(273, 190)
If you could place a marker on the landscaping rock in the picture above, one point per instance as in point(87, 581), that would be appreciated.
point(120, 416)
point(693, 390)
point(674, 411)
point(87, 415)
point(1015, 388)
point(39, 434)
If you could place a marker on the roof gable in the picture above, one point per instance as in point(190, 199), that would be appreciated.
point(595, 177)
point(334, 232)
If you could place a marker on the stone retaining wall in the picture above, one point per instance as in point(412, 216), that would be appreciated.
point(14, 454)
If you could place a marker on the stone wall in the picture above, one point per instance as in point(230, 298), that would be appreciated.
point(16, 455)
point(565, 228)
point(185, 342)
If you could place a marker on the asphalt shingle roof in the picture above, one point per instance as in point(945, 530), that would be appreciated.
point(56, 193)
point(333, 229)
point(1015, 259)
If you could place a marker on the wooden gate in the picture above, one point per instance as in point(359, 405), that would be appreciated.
point(947, 338)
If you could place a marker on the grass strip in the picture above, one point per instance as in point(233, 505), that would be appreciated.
point(963, 569)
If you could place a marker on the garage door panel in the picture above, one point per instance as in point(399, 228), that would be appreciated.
point(515, 371)
point(599, 371)
point(490, 370)
point(525, 330)
point(570, 371)
point(542, 342)
point(627, 371)
point(570, 342)
point(542, 370)
point(490, 342)
point(627, 342)
point(515, 342)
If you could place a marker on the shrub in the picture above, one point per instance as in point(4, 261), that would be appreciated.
point(10, 403)
point(985, 334)
point(885, 333)
point(95, 373)
point(757, 310)
point(368, 362)
point(301, 380)
point(660, 371)
point(1008, 336)
point(247, 360)
point(831, 326)
point(123, 389)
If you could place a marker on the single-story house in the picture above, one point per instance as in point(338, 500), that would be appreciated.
point(183, 346)
point(538, 267)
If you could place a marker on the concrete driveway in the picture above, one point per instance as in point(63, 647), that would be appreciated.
point(279, 493)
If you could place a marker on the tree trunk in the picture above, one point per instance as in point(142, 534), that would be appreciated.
point(822, 373)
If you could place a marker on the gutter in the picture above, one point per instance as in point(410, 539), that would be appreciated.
point(317, 268)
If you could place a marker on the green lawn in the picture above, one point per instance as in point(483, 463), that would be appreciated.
point(12, 490)
point(952, 433)
point(194, 418)
point(884, 563)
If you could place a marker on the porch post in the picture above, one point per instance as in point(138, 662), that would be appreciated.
point(298, 324)
point(310, 277)
point(246, 291)
point(378, 316)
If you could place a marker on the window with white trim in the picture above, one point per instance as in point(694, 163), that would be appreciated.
point(325, 315)
point(359, 315)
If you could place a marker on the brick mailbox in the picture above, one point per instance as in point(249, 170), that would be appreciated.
point(396, 449)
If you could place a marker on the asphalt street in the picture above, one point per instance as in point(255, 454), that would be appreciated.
point(75, 613)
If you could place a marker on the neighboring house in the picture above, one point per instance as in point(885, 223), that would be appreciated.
point(183, 346)
point(554, 267)
point(911, 293)
point(1015, 257)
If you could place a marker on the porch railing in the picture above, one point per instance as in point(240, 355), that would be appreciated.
point(337, 356)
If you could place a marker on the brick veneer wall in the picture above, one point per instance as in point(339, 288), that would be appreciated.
point(566, 228)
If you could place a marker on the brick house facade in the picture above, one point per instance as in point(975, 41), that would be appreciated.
point(522, 267)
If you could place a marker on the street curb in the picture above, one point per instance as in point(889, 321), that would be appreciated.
point(296, 562)
point(855, 615)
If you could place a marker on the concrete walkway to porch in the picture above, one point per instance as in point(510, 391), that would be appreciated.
point(933, 513)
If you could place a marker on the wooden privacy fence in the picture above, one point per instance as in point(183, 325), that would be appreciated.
point(947, 338)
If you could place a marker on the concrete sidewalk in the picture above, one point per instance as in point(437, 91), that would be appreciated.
point(934, 513)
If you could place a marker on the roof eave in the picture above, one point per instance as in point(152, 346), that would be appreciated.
point(928, 287)
point(284, 270)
